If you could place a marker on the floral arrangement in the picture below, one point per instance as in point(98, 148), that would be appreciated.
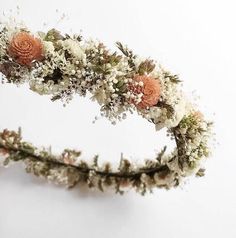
point(63, 65)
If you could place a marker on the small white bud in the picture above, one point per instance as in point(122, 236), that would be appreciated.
point(140, 83)
point(83, 83)
point(115, 80)
point(114, 95)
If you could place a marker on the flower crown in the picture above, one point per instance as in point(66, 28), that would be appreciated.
point(62, 65)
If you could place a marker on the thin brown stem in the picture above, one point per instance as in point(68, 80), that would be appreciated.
point(127, 175)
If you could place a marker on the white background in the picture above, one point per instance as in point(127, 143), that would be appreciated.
point(195, 39)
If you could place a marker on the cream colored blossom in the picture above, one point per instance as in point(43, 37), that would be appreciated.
point(74, 48)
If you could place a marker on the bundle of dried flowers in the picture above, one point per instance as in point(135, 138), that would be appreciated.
point(61, 66)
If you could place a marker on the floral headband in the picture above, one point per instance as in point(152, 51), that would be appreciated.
point(62, 65)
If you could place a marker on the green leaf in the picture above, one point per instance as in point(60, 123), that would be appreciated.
point(6, 161)
point(146, 66)
point(53, 35)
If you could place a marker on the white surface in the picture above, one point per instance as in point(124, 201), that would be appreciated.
point(193, 38)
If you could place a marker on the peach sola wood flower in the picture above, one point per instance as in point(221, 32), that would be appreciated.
point(150, 89)
point(25, 48)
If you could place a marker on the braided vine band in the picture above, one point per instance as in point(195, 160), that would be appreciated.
point(63, 65)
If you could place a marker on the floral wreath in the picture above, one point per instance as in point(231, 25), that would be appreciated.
point(62, 65)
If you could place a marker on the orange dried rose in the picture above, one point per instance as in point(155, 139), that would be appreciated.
point(151, 90)
point(25, 48)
